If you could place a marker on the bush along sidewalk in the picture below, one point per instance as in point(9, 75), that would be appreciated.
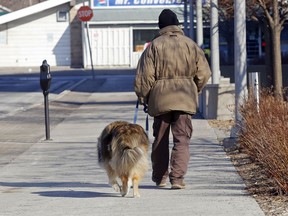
point(264, 137)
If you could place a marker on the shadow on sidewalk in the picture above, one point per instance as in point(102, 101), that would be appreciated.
point(70, 192)
point(75, 194)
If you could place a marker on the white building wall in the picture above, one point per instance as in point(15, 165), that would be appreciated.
point(110, 46)
point(32, 39)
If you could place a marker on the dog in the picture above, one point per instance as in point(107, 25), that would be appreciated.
point(123, 153)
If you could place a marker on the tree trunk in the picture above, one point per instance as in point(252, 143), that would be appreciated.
point(276, 50)
point(277, 62)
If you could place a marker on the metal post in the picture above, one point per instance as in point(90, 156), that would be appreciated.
point(185, 18)
point(90, 50)
point(214, 32)
point(191, 23)
point(89, 45)
point(254, 86)
point(47, 118)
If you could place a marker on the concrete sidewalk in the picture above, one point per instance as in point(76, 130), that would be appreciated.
point(62, 177)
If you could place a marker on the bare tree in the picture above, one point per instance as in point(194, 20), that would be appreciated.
point(275, 13)
point(272, 14)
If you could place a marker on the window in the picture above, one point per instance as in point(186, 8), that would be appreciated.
point(3, 34)
point(140, 37)
point(62, 16)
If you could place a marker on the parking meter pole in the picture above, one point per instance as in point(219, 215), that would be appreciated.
point(47, 119)
point(45, 82)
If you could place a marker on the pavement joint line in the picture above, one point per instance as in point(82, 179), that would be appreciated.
point(62, 94)
point(20, 110)
point(67, 91)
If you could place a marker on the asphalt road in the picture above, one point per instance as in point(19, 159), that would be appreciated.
point(18, 93)
point(20, 87)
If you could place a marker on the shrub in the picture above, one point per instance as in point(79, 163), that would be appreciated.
point(264, 136)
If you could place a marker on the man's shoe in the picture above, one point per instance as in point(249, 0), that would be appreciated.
point(161, 184)
point(176, 186)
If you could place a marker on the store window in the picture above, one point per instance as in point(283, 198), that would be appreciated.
point(141, 37)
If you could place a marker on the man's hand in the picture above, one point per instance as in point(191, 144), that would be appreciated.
point(145, 109)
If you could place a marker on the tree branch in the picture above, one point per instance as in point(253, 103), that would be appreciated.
point(266, 11)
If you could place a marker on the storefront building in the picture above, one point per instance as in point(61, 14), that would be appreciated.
point(120, 29)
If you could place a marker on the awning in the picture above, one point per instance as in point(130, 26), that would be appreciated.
point(131, 15)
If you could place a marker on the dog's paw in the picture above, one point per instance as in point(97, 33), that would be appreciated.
point(136, 195)
point(123, 194)
point(125, 188)
point(116, 187)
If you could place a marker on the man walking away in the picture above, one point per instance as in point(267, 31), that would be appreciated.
point(170, 74)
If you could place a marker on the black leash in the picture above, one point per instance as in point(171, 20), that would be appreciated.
point(136, 112)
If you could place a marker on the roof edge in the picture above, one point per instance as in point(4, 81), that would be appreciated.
point(5, 8)
point(31, 10)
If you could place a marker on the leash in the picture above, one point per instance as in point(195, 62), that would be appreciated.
point(136, 112)
point(145, 109)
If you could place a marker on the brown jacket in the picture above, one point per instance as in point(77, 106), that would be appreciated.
point(170, 73)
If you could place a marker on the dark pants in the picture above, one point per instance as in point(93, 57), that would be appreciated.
point(181, 127)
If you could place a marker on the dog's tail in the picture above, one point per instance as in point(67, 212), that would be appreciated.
point(131, 156)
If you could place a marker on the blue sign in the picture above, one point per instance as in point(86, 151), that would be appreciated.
point(121, 3)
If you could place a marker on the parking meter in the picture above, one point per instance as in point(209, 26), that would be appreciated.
point(45, 82)
point(45, 77)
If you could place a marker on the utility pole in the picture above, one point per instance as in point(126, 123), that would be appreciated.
point(199, 22)
point(240, 56)
point(214, 32)
point(185, 17)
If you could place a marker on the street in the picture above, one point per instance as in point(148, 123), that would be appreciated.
point(22, 91)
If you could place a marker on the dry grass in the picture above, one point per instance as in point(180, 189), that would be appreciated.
point(264, 136)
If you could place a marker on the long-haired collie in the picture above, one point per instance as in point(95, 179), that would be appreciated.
point(122, 152)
